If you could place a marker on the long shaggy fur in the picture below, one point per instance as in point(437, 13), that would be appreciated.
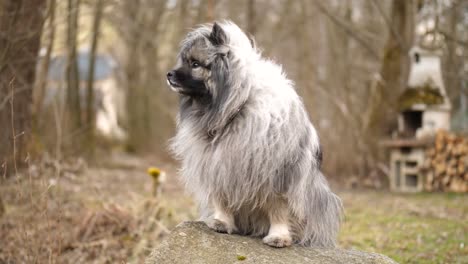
point(251, 144)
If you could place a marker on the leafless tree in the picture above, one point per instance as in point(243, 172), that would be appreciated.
point(73, 78)
point(90, 111)
point(41, 79)
point(348, 59)
point(20, 33)
point(251, 17)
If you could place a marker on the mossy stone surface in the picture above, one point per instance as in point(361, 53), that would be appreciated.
point(195, 243)
point(425, 94)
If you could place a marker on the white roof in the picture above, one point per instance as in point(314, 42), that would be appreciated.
point(427, 71)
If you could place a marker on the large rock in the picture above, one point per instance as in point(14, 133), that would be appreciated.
point(195, 243)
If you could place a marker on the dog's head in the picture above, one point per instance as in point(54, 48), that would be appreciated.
point(202, 62)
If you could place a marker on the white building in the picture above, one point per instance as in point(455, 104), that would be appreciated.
point(109, 100)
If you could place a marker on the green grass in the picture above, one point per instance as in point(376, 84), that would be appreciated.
point(416, 228)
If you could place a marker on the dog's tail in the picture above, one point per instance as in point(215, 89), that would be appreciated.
point(318, 211)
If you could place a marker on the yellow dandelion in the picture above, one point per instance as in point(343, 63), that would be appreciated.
point(158, 177)
point(154, 172)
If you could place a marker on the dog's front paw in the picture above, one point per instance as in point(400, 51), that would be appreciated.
point(220, 226)
point(278, 241)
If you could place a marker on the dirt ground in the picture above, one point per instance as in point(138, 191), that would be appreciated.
point(69, 212)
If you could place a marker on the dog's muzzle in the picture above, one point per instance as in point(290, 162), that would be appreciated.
point(171, 82)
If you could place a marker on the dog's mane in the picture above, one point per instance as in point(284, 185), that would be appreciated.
point(217, 112)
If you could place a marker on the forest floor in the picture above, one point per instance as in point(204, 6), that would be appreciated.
point(67, 212)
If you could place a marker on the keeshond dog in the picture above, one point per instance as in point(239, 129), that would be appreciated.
point(249, 153)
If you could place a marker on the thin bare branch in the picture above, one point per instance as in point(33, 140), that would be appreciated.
point(348, 29)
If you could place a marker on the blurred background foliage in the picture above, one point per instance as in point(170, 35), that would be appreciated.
point(349, 60)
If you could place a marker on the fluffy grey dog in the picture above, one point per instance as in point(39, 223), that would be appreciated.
point(249, 153)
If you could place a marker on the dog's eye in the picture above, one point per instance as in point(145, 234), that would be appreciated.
point(194, 64)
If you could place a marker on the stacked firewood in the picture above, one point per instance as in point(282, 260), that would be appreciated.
point(446, 164)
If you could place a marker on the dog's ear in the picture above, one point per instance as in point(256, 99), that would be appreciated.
point(220, 76)
point(218, 36)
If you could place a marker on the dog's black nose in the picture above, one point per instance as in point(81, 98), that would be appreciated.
point(170, 74)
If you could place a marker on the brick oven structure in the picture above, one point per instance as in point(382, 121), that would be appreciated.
point(424, 108)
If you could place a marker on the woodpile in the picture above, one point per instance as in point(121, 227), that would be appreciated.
point(446, 164)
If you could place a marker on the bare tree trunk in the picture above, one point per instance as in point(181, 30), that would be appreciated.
point(2, 207)
point(41, 80)
point(20, 34)
point(393, 74)
point(90, 113)
point(145, 103)
point(210, 15)
point(157, 102)
point(395, 61)
point(452, 64)
point(132, 71)
point(251, 16)
point(73, 82)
